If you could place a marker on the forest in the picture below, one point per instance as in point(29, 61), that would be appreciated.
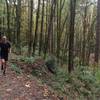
point(58, 43)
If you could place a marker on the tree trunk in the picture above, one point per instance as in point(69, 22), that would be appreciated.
point(97, 47)
point(30, 27)
point(18, 21)
point(84, 35)
point(48, 45)
point(71, 35)
point(36, 29)
point(8, 20)
point(41, 33)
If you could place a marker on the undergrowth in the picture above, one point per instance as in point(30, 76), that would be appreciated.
point(28, 60)
point(82, 84)
point(15, 68)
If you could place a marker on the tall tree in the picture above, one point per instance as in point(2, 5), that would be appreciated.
point(84, 33)
point(18, 25)
point(41, 33)
point(71, 35)
point(97, 47)
point(48, 44)
point(8, 19)
point(36, 29)
point(30, 26)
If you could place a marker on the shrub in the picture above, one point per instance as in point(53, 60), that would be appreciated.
point(16, 68)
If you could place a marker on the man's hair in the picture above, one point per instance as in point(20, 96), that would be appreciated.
point(4, 37)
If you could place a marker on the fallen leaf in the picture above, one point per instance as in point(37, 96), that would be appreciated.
point(27, 85)
point(46, 92)
point(8, 90)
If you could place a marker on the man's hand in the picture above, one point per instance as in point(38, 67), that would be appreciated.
point(9, 50)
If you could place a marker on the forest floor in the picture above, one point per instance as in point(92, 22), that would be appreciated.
point(15, 86)
point(27, 78)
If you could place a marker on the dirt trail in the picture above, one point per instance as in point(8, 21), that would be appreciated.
point(22, 87)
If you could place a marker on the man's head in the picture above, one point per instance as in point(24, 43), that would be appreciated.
point(4, 38)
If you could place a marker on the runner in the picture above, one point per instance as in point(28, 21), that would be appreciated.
point(5, 49)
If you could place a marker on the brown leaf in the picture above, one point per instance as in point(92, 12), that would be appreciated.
point(8, 90)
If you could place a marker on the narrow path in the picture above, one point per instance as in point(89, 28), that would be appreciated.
point(22, 87)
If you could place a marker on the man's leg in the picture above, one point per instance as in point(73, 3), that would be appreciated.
point(1, 65)
point(4, 66)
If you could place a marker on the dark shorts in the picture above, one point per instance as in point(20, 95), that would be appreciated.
point(5, 57)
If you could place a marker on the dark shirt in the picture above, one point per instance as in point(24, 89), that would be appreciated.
point(4, 48)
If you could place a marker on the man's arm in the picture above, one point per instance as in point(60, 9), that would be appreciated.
point(9, 47)
point(9, 50)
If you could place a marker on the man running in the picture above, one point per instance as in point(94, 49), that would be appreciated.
point(5, 49)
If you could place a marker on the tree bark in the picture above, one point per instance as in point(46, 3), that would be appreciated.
point(71, 35)
point(30, 27)
point(41, 33)
point(97, 47)
point(18, 25)
point(8, 20)
point(36, 29)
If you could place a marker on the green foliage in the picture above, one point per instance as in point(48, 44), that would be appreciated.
point(59, 80)
point(81, 82)
point(90, 86)
point(97, 75)
point(85, 75)
point(76, 61)
point(24, 49)
point(28, 60)
point(51, 63)
point(35, 73)
point(16, 68)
